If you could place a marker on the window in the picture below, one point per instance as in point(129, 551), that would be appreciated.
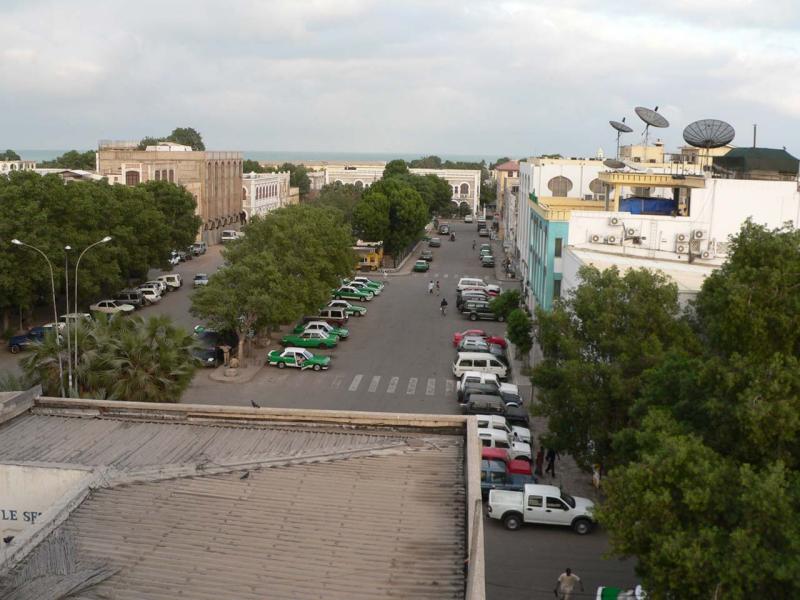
point(496, 363)
point(465, 188)
point(487, 443)
point(559, 242)
point(556, 503)
point(559, 186)
point(172, 175)
point(501, 444)
point(557, 288)
point(535, 501)
point(481, 364)
point(131, 178)
point(158, 175)
point(596, 187)
point(466, 363)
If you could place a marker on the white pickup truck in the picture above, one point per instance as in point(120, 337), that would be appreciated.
point(544, 504)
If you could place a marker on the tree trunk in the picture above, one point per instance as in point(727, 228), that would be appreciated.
point(241, 349)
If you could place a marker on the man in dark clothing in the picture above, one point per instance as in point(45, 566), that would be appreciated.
point(551, 457)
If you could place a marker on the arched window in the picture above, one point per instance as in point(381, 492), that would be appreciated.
point(455, 190)
point(464, 189)
point(158, 175)
point(596, 186)
point(132, 178)
point(359, 184)
point(559, 186)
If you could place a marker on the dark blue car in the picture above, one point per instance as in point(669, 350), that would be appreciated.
point(22, 342)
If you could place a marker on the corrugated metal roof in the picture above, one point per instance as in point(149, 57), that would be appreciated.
point(390, 526)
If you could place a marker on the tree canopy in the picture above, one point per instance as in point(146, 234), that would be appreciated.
point(9, 155)
point(187, 136)
point(252, 166)
point(520, 330)
point(393, 211)
point(395, 167)
point(342, 197)
point(72, 159)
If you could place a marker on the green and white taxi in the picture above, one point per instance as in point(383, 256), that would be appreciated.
point(351, 309)
point(299, 358)
point(364, 287)
point(310, 339)
point(324, 327)
point(369, 282)
point(348, 292)
point(421, 266)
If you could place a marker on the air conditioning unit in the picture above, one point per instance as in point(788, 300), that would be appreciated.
point(612, 239)
point(682, 248)
point(707, 254)
point(682, 237)
point(614, 221)
point(631, 231)
point(698, 234)
point(595, 239)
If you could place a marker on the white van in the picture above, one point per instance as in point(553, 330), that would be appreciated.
point(493, 438)
point(517, 433)
point(473, 282)
point(228, 235)
point(173, 280)
point(482, 362)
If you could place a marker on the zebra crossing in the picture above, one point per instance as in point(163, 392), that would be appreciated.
point(365, 383)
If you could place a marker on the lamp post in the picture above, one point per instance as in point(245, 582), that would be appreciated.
point(16, 242)
point(105, 240)
point(67, 248)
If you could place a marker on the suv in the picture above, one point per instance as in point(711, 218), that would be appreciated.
point(471, 296)
point(333, 315)
point(477, 309)
point(228, 235)
point(198, 248)
point(426, 255)
point(132, 297)
point(481, 404)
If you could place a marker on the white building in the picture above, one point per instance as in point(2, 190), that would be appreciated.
point(264, 192)
point(361, 176)
point(7, 166)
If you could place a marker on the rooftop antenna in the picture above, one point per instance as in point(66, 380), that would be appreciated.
point(708, 133)
point(651, 118)
point(621, 128)
point(755, 127)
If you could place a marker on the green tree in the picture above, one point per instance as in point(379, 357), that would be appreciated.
point(9, 155)
point(252, 166)
point(121, 358)
point(435, 192)
point(342, 197)
point(499, 161)
point(148, 141)
point(188, 137)
point(395, 167)
point(428, 162)
point(298, 177)
point(596, 345)
point(392, 209)
point(72, 160)
point(520, 331)
point(504, 304)
point(178, 206)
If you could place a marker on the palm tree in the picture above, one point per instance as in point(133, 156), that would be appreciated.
point(42, 363)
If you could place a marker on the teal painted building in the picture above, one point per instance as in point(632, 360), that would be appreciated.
point(549, 231)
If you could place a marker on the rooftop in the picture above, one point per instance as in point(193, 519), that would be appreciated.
point(160, 502)
point(510, 165)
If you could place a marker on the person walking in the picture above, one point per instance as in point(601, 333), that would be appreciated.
point(551, 457)
point(565, 586)
point(430, 287)
point(438, 289)
point(473, 245)
point(443, 306)
point(539, 462)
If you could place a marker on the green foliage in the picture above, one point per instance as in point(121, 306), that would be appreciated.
point(428, 162)
point(596, 345)
point(252, 166)
point(520, 330)
point(14, 382)
point(284, 267)
point(505, 303)
point(499, 161)
point(551, 156)
point(434, 191)
point(148, 141)
point(9, 155)
point(298, 177)
point(488, 193)
point(390, 210)
point(394, 168)
point(186, 136)
point(121, 358)
point(72, 160)
point(342, 197)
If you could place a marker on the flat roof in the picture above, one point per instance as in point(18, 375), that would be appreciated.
point(224, 502)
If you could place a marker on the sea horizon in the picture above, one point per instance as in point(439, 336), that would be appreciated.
point(295, 156)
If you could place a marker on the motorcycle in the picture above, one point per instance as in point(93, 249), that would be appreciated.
point(452, 237)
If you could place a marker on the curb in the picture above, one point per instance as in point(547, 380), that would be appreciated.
point(245, 374)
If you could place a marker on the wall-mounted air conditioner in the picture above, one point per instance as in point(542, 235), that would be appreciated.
point(612, 239)
point(615, 221)
point(682, 237)
point(596, 239)
point(682, 248)
point(699, 234)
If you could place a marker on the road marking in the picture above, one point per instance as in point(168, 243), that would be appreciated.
point(355, 383)
point(430, 389)
point(412, 386)
point(445, 275)
point(373, 385)
point(449, 387)
point(337, 382)
point(392, 385)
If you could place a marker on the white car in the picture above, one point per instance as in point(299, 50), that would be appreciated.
point(172, 280)
point(112, 307)
point(367, 281)
point(470, 282)
point(359, 285)
point(494, 438)
point(544, 504)
point(200, 279)
point(228, 235)
point(150, 295)
point(521, 434)
point(468, 219)
point(359, 311)
point(477, 377)
point(326, 328)
point(174, 259)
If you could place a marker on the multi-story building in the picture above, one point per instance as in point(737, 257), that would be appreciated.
point(359, 175)
point(7, 166)
point(213, 178)
point(264, 192)
point(506, 178)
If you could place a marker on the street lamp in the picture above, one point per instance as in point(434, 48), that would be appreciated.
point(105, 240)
point(67, 248)
point(16, 242)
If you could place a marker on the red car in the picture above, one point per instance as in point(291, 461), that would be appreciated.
point(517, 467)
point(491, 339)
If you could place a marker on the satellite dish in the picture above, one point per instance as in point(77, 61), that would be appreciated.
point(708, 133)
point(651, 117)
point(614, 164)
point(621, 128)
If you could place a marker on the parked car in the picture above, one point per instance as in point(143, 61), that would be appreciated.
point(482, 362)
point(335, 316)
point(487, 261)
point(467, 218)
point(435, 242)
point(185, 255)
point(200, 279)
point(493, 438)
point(348, 292)
point(111, 307)
point(318, 325)
point(34, 335)
point(133, 297)
point(152, 289)
point(478, 309)
point(369, 282)
point(483, 232)
point(199, 248)
point(517, 415)
point(73, 318)
point(351, 309)
point(228, 235)
point(444, 229)
point(485, 250)
point(521, 467)
point(471, 388)
point(421, 266)
point(298, 358)
point(426, 255)
point(495, 475)
point(482, 404)
point(364, 287)
point(477, 377)
point(480, 223)
point(473, 344)
point(494, 290)
point(310, 339)
point(471, 296)
point(544, 504)
point(174, 259)
point(150, 295)
point(162, 287)
point(492, 339)
point(498, 422)
point(171, 280)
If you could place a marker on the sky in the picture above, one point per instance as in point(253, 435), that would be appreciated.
point(493, 78)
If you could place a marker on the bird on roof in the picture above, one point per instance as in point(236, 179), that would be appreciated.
point(8, 539)
point(254, 405)
point(245, 476)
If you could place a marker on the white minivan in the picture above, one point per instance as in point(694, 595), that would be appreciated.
point(482, 362)
point(228, 235)
point(470, 282)
point(172, 281)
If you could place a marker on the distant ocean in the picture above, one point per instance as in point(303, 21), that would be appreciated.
point(297, 157)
